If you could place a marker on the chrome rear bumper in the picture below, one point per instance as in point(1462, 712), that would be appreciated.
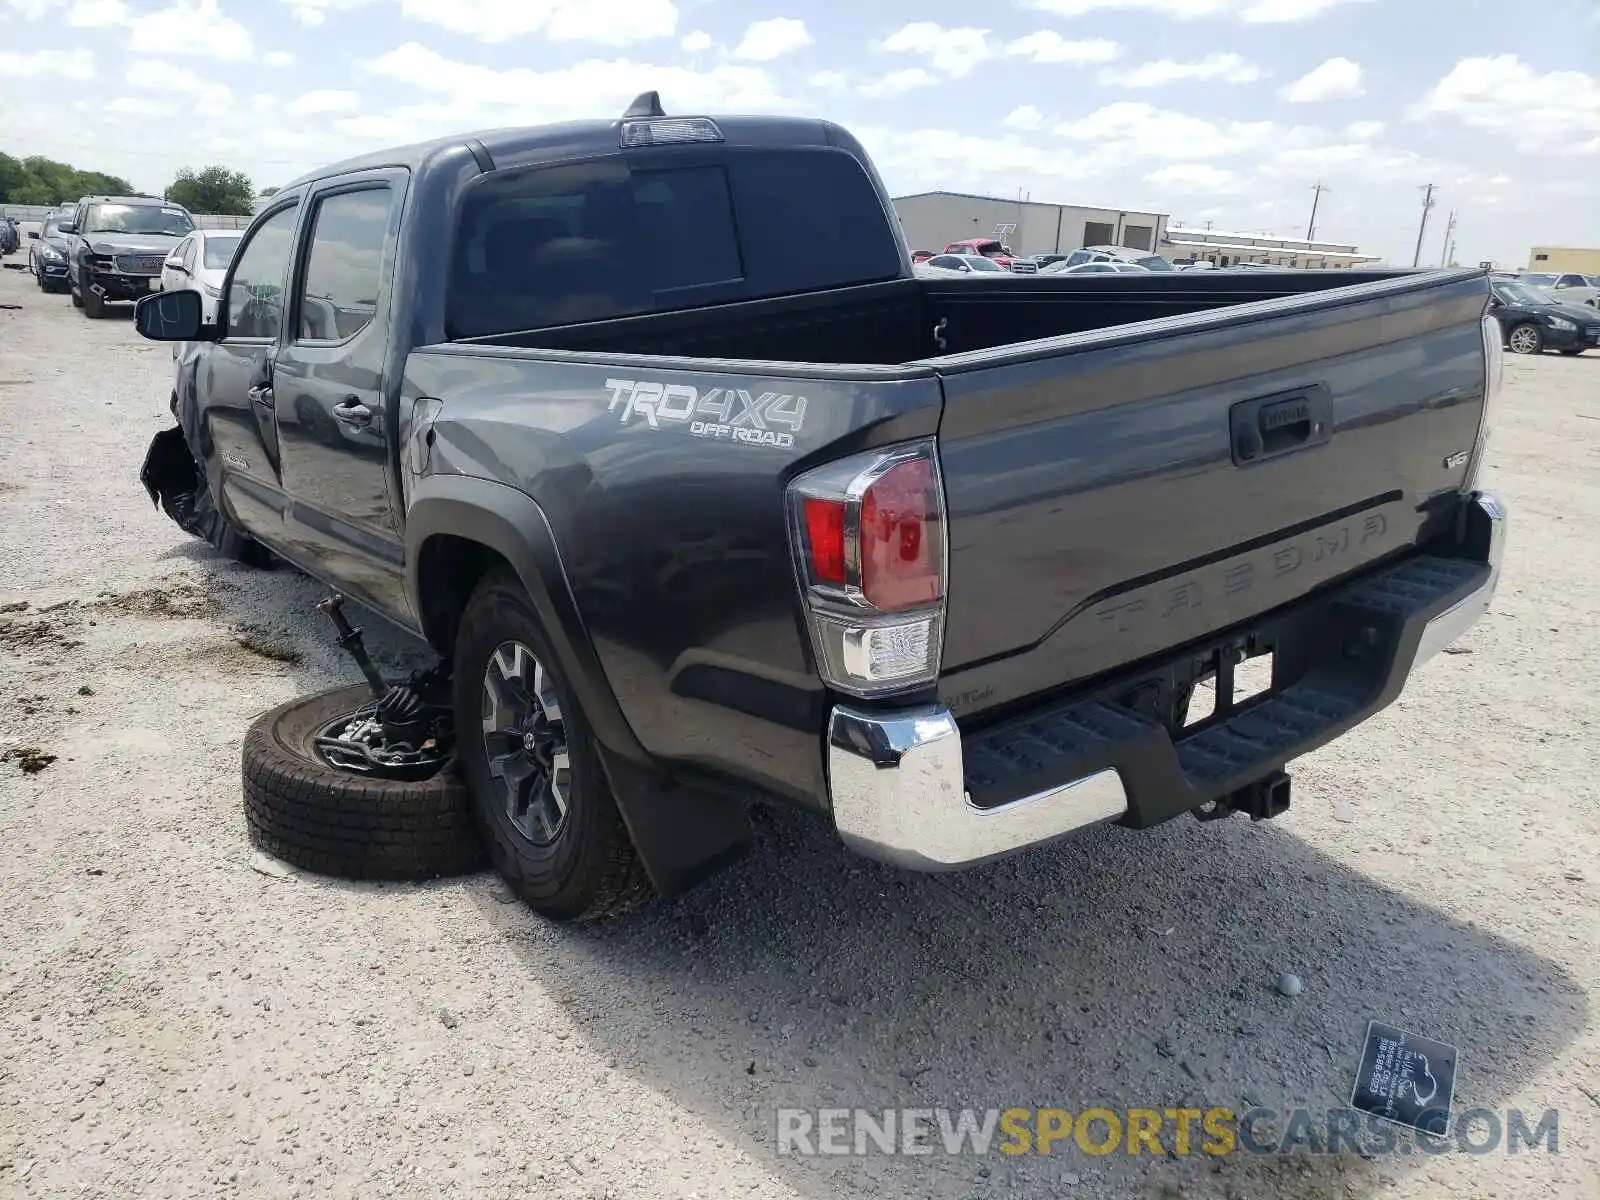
point(896, 778)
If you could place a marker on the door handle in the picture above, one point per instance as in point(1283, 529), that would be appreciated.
point(352, 412)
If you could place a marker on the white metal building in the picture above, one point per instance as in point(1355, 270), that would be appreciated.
point(1229, 249)
point(932, 220)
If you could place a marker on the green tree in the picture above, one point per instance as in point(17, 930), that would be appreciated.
point(213, 190)
point(40, 180)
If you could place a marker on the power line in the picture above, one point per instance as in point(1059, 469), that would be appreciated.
point(1427, 203)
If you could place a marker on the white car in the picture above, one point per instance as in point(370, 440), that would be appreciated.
point(198, 263)
point(965, 264)
point(1095, 268)
point(1566, 288)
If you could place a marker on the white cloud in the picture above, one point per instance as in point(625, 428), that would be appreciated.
point(695, 41)
point(1255, 12)
point(828, 81)
point(1335, 79)
point(69, 64)
point(277, 58)
point(196, 27)
point(475, 95)
point(1218, 68)
point(1365, 131)
point(898, 82)
point(1131, 130)
point(953, 51)
point(169, 78)
point(1194, 178)
point(764, 41)
point(92, 14)
point(1501, 94)
point(322, 102)
point(315, 12)
point(1023, 117)
point(1048, 46)
point(605, 22)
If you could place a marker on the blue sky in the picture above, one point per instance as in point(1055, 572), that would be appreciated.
point(1210, 110)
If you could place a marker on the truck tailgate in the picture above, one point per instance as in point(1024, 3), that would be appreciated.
point(1115, 494)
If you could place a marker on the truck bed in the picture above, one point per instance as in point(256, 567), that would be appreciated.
point(894, 323)
point(1099, 514)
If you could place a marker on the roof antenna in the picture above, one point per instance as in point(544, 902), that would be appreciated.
point(645, 104)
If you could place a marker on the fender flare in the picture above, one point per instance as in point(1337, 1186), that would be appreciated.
point(682, 832)
point(511, 523)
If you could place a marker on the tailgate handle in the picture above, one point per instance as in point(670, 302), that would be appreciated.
point(1273, 425)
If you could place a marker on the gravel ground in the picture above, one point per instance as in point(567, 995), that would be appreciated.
point(178, 1020)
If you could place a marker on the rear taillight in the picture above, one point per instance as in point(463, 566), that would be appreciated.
point(869, 543)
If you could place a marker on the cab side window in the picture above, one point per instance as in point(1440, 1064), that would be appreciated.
point(260, 278)
point(344, 266)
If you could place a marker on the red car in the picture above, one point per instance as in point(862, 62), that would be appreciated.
point(988, 247)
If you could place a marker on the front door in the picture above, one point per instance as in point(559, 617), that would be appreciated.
point(334, 401)
point(235, 384)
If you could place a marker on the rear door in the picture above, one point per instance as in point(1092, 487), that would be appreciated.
point(332, 399)
point(1118, 493)
point(235, 381)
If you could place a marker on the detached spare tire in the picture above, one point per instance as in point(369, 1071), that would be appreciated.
point(316, 816)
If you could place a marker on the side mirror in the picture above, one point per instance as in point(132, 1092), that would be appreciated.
point(172, 317)
point(68, 227)
point(33, 235)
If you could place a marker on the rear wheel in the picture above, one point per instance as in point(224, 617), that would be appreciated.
point(540, 793)
point(1525, 339)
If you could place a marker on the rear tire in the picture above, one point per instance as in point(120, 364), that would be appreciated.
point(333, 822)
point(553, 831)
point(1525, 339)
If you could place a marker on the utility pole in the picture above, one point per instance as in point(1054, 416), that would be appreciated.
point(1427, 203)
point(1316, 197)
point(1449, 233)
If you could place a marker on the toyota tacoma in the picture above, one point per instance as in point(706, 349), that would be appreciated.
point(702, 495)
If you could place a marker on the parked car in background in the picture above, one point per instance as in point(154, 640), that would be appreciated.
point(1044, 260)
point(1569, 287)
point(10, 238)
point(1532, 322)
point(965, 264)
point(117, 245)
point(921, 256)
point(199, 263)
point(1095, 268)
point(1255, 266)
point(990, 248)
point(1123, 254)
point(47, 254)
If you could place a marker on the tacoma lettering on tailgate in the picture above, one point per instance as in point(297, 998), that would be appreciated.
point(1325, 552)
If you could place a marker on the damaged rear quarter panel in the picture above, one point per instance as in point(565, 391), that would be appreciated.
point(663, 482)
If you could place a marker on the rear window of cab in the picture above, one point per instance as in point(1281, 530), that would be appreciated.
point(593, 240)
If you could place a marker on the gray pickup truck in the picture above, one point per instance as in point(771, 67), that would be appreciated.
point(702, 495)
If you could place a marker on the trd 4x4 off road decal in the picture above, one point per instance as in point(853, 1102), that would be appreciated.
point(721, 414)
